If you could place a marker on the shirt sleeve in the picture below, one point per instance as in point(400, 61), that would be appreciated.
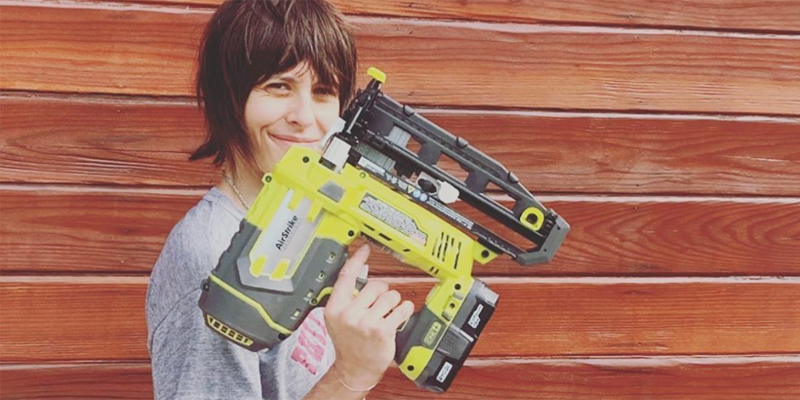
point(190, 361)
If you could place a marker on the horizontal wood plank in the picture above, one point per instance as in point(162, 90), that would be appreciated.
point(107, 381)
point(613, 379)
point(112, 141)
point(689, 378)
point(102, 318)
point(151, 52)
point(756, 15)
point(122, 231)
point(72, 140)
point(70, 230)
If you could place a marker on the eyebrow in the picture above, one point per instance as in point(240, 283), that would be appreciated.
point(291, 79)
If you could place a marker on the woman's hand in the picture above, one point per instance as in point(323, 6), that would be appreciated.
point(363, 327)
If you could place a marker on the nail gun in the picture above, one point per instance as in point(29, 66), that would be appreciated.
point(285, 258)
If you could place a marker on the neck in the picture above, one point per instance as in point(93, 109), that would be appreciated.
point(248, 183)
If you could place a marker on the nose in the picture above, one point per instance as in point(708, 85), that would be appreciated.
point(301, 113)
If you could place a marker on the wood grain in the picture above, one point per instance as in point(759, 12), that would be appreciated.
point(726, 14)
point(110, 381)
point(689, 378)
point(65, 319)
point(121, 231)
point(152, 53)
point(613, 379)
point(583, 100)
point(58, 231)
point(113, 141)
point(756, 15)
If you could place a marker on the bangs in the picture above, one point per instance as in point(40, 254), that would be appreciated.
point(307, 31)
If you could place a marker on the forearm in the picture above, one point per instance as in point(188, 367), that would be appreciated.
point(329, 387)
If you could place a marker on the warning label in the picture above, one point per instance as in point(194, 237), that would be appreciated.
point(393, 217)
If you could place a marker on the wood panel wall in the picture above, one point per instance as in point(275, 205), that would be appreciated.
point(666, 133)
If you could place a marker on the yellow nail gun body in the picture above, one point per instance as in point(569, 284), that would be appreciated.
point(286, 256)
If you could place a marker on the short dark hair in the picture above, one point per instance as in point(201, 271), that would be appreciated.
point(246, 42)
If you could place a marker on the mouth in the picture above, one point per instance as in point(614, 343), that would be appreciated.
point(293, 139)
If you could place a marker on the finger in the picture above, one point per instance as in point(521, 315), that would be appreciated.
point(369, 294)
point(400, 314)
point(346, 281)
point(385, 303)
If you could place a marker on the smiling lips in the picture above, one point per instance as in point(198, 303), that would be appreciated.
point(293, 139)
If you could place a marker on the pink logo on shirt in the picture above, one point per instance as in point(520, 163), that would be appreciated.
point(311, 341)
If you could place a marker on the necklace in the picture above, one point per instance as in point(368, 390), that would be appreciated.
point(235, 190)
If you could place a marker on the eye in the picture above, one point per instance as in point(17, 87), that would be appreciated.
point(325, 91)
point(277, 86)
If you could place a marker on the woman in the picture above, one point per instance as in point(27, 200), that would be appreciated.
point(271, 74)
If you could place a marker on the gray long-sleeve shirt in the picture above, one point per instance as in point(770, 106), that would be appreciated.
point(192, 362)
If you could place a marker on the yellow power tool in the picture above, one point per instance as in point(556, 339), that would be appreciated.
point(286, 256)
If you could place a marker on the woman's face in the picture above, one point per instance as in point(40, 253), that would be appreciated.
point(290, 108)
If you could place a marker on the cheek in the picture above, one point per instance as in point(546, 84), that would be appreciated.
point(269, 153)
point(329, 115)
point(260, 113)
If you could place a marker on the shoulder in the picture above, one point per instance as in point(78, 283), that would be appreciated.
point(199, 238)
point(190, 252)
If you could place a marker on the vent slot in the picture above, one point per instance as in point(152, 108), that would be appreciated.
point(458, 253)
point(444, 245)
point(229, 333)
